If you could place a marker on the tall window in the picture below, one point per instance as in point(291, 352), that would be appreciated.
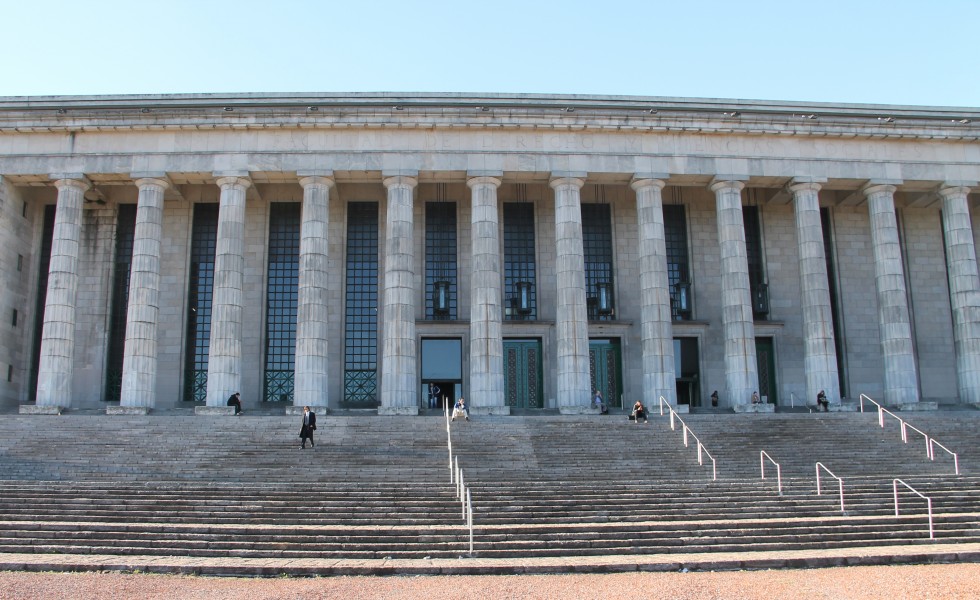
point(361, 305)
point(520, 271)
point(440, 260)
point(125, 232)
point(597, 243)
point(281, 300)
point(828, 249)
point(753, 250)
point(47, 236)
point(678, 264)
point(200, 289)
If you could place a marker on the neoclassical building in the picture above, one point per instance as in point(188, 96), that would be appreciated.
point(360, 250)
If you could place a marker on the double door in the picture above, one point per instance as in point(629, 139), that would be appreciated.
point(522, 373)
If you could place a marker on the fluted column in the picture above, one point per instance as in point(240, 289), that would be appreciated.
point(225, 352)
point(399, 365)
point(310, 383)
point(819, 351)
point(143, 308)
point(656, 329)
point(58, 330)
point(964, 289)
point(572, 326)
point(486, 336)
point(901, 378)
point(741, 369)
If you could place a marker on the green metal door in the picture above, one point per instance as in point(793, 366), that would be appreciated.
point(522, 373)
point(605, 367)
point(766, 359)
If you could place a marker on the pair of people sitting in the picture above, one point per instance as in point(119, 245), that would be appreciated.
point(460, 410)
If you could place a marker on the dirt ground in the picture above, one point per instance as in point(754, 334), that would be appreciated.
point(918, 582)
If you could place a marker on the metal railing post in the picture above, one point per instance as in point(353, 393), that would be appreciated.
point(469, 518)
point(839, 480)
point(895, 482)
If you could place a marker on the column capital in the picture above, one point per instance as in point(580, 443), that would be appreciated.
point(805, 184)
point(391, 181)
point(732, 182)
point(235, 179)
point(645, 180)
point(955, 188)
point(152, 182)
point(67, 180)
point(317, 180)
point(880, 187)
point(475, 180)
point(575, 178)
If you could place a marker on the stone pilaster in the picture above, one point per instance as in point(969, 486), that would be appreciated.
point(572, 325)
point(964, 289)
point(656, 330)
point(399, 365)
point(741, 369)
point(139, 376)
point(819, 351)
point(486, 336)
point(54, 381)
point(225, 353)
point(310, 383)
point(901, 377)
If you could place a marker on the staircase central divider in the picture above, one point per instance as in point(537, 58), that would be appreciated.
point(779, 474)
point(839, 481)
point(456, 476)
point(904, 426)
point(687, 432)
point(895, 483)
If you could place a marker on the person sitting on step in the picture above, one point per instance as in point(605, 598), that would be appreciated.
point(236, 401)
point(822, 402)
point(639, 412)
point(460, 410)
point(598, 403)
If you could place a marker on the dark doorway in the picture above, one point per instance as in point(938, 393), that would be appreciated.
point(605, 367)
point(522, 373)
point(687, 371)
point(442, 369)
point(766, 357)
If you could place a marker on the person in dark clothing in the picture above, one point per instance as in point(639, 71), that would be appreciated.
point(822, 402)
point(309, 425)
point(639, 412)
point(714, 399)
point(236, 401)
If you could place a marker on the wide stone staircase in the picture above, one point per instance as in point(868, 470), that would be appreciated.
point(377, 490)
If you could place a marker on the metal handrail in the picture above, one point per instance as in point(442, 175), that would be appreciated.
point(779, 473)
point(456, 477)
point(932, 453)
point(839, 481)
point(702, 451)
point(904, 427)
point(928, 500)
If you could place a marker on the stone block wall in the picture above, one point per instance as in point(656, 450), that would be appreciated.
point(18, 224)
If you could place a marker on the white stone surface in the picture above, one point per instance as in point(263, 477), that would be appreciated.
point(964, 289)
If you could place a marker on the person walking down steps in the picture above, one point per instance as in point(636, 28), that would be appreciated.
point(309, 426)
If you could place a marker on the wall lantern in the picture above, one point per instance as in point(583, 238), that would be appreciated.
point(440, 297)
point(760, 299)
point(682, 294)
point(604, 300)
point(523, 297)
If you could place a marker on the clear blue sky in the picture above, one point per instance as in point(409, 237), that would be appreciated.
point(897, 52)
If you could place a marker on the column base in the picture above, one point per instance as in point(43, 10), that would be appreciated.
point(762, 407)
point(33, 409)
point(917, 406)
point(490, 410)
point(127, 410)
point(298, 410)
point(398, 411)
point(578, 410)
point(214, 411)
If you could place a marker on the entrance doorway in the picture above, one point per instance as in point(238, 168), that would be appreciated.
point(687, 371)
point(766, 359)
point(605, 368)
point(442, 372)
point(522, 373)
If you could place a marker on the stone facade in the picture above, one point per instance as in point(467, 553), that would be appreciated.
point(867, 245)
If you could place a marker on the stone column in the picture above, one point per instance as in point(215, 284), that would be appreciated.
point(741, 369)
point(819, 351)
point(310, 381)
point(964, 289)
point(225, 352)
point(901, 378)
point(572, 326)
point(656, 329)
point(399, 365)
point(486, 336)
point(139, 376)
point(58, 330)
